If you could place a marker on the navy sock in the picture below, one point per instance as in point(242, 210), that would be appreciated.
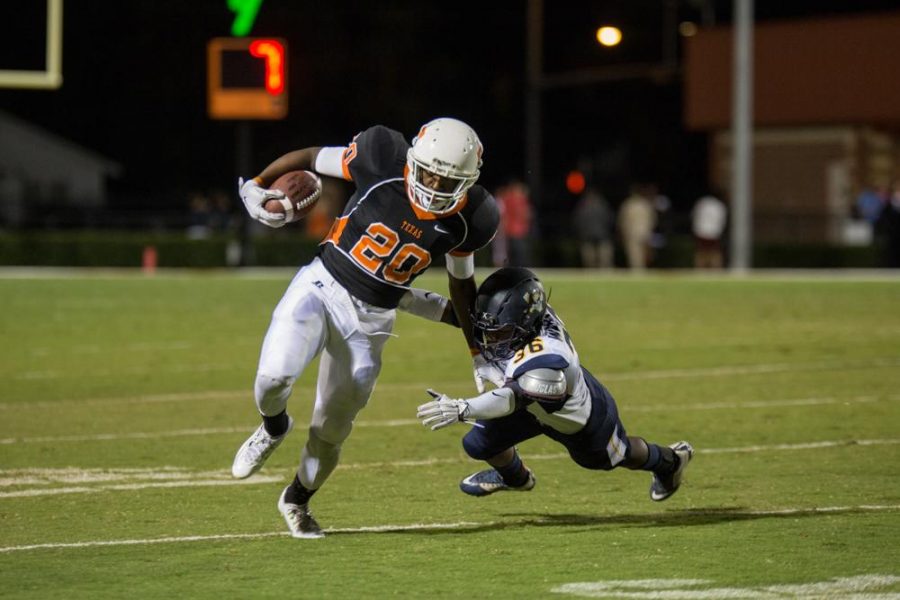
point(277, 425)
point(661, 459)
point(514, 474)
point(297, 493)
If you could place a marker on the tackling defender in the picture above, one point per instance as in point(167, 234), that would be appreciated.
point(412, 206)
point(543, 389)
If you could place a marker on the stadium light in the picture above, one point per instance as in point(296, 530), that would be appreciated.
point(687, 29)
point(609, 36)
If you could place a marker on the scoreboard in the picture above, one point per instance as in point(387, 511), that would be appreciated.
point(247, 78)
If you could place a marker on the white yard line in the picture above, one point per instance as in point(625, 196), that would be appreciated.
point(137, 479)
point(753, 404)
point(130, 487)
point(805, 446)
point(723, 371)
point(134, 435)
point(759, 369)
point(857, 587)
point(399, 528)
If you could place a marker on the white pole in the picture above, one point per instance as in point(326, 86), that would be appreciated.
point(742, 138)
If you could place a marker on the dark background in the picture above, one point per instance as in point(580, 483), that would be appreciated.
point(134, 87)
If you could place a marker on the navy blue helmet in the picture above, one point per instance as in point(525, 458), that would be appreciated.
point(509, 310)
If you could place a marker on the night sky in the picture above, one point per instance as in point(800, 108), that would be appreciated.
point(134, 86)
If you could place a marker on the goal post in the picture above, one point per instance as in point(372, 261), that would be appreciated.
point(51, 77)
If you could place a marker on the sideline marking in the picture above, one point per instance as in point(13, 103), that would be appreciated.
point(99, 437)
point(787, 276)
point(385, 529)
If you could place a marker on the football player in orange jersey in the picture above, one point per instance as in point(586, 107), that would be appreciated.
point(413, 205)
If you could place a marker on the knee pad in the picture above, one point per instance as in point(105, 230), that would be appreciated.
point(319, 447)
point(476, 447)
point(594, 462)
point(272, 393)
point(364, 382)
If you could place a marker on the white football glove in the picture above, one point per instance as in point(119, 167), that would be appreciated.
point(442, 411)
point(255, 197)
point(486, 371)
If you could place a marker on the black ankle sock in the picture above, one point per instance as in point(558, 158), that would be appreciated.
point(277, 425)
point(514, 474)
point(667, 462)
point(297, 493)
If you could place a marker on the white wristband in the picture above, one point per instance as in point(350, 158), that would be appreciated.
point(461, 267)
point(329, 161)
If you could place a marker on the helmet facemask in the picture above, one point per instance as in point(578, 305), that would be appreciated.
point(442, 165)
point(498, 341)
point(448, 191)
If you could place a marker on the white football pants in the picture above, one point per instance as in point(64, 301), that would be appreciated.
point(317, 315)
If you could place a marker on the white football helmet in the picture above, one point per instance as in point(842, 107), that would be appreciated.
point(442, 165)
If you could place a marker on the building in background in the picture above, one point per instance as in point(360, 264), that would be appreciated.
point(826, 112)
point(38, 167)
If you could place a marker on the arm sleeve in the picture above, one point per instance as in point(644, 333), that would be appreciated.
point(492, 404)
point(428, 305)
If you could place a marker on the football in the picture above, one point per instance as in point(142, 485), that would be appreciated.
point(301, 191)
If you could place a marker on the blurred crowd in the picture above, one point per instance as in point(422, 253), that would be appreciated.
point(637, 231)
point(634, 231)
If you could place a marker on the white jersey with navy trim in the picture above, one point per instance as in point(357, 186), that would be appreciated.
point(553, 349)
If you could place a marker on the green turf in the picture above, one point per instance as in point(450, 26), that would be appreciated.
point(789, 389)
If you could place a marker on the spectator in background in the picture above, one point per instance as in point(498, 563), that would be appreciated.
point(515, 221)
point(889, 226)
point(593, 222)
point(220, 215)
point(871, 201)
point(659, 238)
point(200, 209)
point(636, 220)
point(708, 219)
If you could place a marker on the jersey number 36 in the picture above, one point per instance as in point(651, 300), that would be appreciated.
point(532, 347)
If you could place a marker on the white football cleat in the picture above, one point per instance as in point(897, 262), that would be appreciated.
point(252, 455)
point(299, 520)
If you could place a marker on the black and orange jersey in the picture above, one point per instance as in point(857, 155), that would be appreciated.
point(382, 242)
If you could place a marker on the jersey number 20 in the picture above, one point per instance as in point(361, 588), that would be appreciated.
point(379, 247)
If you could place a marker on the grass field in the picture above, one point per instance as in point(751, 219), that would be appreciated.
point(124, 398)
